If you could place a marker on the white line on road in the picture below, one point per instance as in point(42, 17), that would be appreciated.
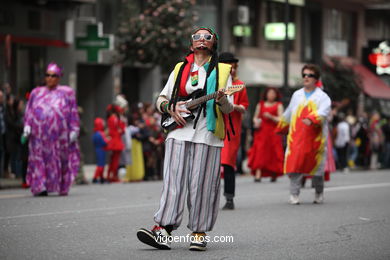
point(78, 211)
point(13, 196)
point(356, 187)
point(341, 188)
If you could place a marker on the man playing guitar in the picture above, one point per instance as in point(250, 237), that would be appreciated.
point(192, 150)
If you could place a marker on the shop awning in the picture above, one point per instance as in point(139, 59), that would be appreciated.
point(371, 84)
point(35, 41)
point(255, 72)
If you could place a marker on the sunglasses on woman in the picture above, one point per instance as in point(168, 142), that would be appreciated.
point(51, 75)
point(198, 37)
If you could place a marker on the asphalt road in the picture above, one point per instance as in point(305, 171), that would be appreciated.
point(100, 222)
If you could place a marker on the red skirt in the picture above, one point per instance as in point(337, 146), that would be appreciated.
point(266, 152)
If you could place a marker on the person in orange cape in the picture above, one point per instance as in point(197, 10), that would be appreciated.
point(265, 157)
point(232, 144)
point(305, 120)
point(330, 165)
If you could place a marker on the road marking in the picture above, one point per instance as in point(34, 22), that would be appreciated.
point(356, 187)
point(78, 211)
point(11, 196)
point(341, 188)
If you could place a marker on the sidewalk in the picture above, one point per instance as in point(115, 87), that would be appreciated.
point(17, 183)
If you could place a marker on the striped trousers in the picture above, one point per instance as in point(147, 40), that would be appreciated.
point(190, 169)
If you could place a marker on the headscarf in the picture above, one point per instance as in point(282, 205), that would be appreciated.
point(54, 67)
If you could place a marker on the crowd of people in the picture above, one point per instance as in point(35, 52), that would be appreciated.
point(361, 141)
point(13, 153)
point(133, 137)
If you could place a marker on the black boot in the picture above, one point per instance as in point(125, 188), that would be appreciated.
point(229, 204)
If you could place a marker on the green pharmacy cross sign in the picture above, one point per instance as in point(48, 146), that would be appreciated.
point(92, 43)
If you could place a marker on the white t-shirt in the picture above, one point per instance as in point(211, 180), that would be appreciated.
point(343, 135)
point(188, 133)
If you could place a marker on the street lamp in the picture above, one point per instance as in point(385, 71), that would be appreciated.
point(286, 43)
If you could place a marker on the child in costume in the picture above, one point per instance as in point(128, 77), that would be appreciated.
point(100, 143)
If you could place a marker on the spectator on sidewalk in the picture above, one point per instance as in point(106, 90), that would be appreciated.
point(125, 157)
point(136, 171)
point(9, 136)
point(2, 134)
point(342, 140)
point(80, 178)
point(386, 134)
point(116, 128)
point(14, 121)
point(376, 140)
point(100, 142)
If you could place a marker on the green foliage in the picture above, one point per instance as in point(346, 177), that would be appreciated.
point(155, 32)
point(340, 82)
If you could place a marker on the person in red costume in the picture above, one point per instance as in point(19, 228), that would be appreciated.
point(265, 157)
point(232, 144)
point(116, 128)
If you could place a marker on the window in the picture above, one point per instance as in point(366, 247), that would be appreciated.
point(6, 18)
point(34, 20)
point(275, 14)
point(206, 2)
point(252, 9)
point(339, 32)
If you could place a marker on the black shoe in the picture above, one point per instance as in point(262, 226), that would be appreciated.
point(94, 181)
point(273, 179)
point(158, 237)
point(42, 194)
point(258, 180)
point(229, 205)
point(198, 241)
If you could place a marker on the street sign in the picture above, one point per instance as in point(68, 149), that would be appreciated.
point(277, 31)
point(242, 31)
point(92, 43)
point(292, 2)
point(380, 57)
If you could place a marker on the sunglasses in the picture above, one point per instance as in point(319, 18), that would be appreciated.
point(309, 75)
point(197, 37)
point(51, 75)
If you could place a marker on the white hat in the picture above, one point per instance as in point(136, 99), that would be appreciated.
point(120, 101)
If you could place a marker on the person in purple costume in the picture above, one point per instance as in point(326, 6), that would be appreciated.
point(51, 123)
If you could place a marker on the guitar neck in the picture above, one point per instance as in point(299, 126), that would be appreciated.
point(194, 103)
point(198, 101)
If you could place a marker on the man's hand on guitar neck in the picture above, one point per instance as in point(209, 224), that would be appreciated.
point(180, 108)
point(223, 103)
point(220, 95)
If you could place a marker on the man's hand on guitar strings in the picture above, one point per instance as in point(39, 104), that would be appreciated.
point(180, 108)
